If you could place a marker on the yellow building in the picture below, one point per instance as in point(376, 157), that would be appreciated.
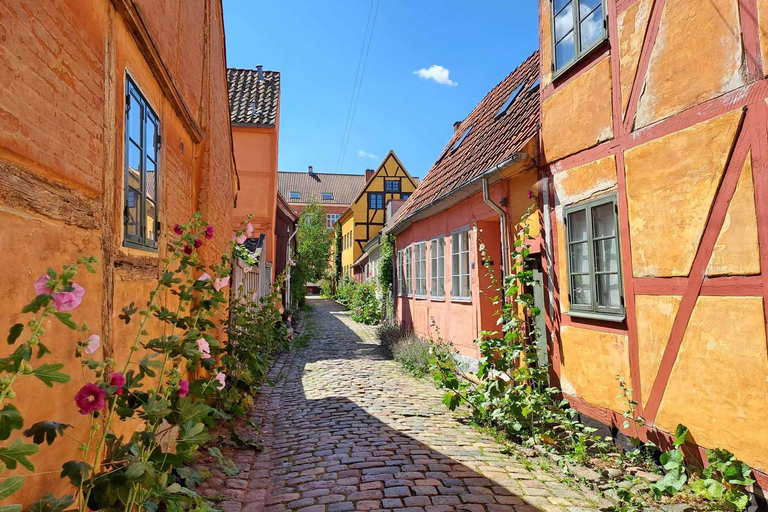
point(367, 214)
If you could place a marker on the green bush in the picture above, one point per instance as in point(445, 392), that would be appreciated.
point(365, 304)
point(405, 346)
point(344, 291)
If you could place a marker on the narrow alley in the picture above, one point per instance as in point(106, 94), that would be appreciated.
point(346, 429)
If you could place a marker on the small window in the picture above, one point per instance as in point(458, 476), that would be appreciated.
point(142, 148)
point(594, 264)
point(408, 270)
point(577, 27)
point(461, 140)
point(376, 201)
point(437, 256)
point(330, 219)
point(294, 196)
point(535, 85)
point(405, 195)
point(400, 276)
point(505, 106)
point(420, 270)
point(327, 196)
point(392, 185)
point(460, 265)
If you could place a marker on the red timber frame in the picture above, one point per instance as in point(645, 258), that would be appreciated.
point(752, 136)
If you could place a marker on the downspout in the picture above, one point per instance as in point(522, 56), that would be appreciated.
point(548, 249)
point(502, 226)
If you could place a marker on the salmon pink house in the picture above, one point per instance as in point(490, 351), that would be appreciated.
point(476, 191)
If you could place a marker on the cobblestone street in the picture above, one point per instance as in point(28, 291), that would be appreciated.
point(345, 429)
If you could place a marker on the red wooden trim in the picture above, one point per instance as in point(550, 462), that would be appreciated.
point(760, 178)
point(555, 344)
point(623, 5)
point(595, 325)
point(645, 58)
point(735, 286)
point(582, 66)
point(750, 32)
point(703, 254)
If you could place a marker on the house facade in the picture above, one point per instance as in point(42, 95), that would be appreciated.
point(475, 193)
point(335, 192)
point(366, 216)
point(114, 127)
point(653, 154)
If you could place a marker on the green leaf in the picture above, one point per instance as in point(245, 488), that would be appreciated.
point(193, 433)
point(135, 470)
point(229, 468)
point(17, 452)
point(37, 303)
point(737, 498)
point(671, 459)
point(45, 430)
point(681, 432)
point(14, 333)
point(49, 373)
point(10, 486)
point(10, 508)
point(156, 408)
point(76, 471)
point(66, 319)
point(216, 453)
point(128, 312)
point(10, 420)
point(50, 503)
point(709, 488)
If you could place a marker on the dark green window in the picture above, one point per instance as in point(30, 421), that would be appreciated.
point(577, 27)
point(142, 147)
point(594, 261)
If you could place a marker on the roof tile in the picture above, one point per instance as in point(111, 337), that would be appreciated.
point(252, 101)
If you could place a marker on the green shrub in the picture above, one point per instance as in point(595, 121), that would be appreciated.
point(344, 291)
point(405, 346)
point(365, 304)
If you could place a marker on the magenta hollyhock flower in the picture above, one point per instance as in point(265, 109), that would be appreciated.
point(249, 230)
point(178, 229)
point(242, 238)
point(204, 277)
point(198, 243)
point(209, 232)
point(204, 348)
point(90, 398)
point(117, 379)
point(183, 388)
point(40, 285)
point(222, 378)
point(187, 249)
point(93, 344)
point(530, 195)
point(220, 282)
point(67, 301)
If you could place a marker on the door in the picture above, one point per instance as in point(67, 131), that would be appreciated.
point(540, 324)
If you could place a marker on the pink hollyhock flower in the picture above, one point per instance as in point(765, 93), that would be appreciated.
point(187, 249)
point(530, 195)
point(209, 232)
point(90, 398)
point(198, 243)
point(183, 388)
point(249, 230)
point(204, 348)
point(93, 344)
point(177, 229)
point(40, 285)
point(67, 301)
point(118, 380)
point(222, 378)
point(204, 277)
point(220, 282)
point(242, 238)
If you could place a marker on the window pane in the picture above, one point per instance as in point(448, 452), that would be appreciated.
point(132, 208)
point(151, 179)
point(564, 22)
point(464, 236)
point(587, 6)
point(135, 114)
point(150, 141)
point(151, 218)
point(606, 255)
point(465, 286)
point(604, 220)
point(564, 51)
point(577, 226)
point(559, 4)
point(455, 289)
point(608, 291)
point(134, 166)
point(581, 290)
point(592, 28)
point(580, 258)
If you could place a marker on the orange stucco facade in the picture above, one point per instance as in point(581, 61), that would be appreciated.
point(668, 116)
point(63, 71)
point(256, 158)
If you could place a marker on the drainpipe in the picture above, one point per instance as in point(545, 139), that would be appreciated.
point(548, 247)
point(502, 225)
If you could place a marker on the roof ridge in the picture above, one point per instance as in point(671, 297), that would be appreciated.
point(254, 70)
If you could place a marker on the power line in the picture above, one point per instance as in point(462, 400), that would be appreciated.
point(357, 87)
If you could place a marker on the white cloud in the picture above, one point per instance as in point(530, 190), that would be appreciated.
point(364, 154)
point(437, 73)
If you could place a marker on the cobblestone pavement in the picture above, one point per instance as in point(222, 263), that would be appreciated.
point(345, 429)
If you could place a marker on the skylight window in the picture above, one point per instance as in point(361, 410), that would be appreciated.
point(327, 196)
point(505, 106)
point(294, 195)
point(461, 140)
point(535, 85)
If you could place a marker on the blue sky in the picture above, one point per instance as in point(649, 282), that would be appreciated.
point(316, 45)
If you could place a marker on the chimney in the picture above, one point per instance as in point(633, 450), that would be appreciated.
point(260, 72)
point(369, 174)
point(310, 171)
point(456, 126)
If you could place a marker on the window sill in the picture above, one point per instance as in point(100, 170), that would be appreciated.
point(462, 300)
point(584, 55)
point(606, 317)
point(420, 297)
point(437, 299)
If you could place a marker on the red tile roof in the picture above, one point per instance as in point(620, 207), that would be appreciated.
point(492, 139)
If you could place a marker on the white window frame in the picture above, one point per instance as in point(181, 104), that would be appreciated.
point(437, 269)
point(400, 276)
point(461, 295)
point(408, 271)
point(420, 270)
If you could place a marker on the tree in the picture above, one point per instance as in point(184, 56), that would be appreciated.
point(314, 251)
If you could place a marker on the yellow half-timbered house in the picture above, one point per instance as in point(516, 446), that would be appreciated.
point(368, 212)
